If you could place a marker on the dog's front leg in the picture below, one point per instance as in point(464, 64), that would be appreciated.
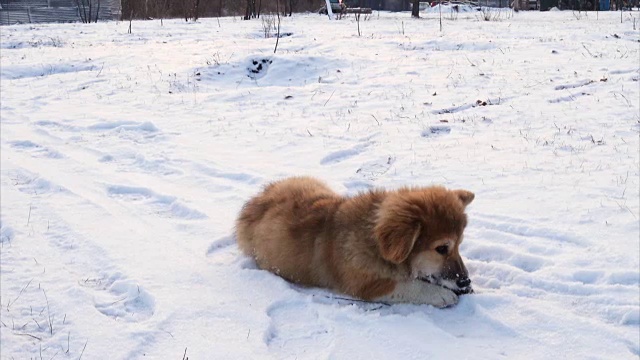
point(420, 292)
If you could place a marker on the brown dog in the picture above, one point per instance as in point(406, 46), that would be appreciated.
point(390, 246)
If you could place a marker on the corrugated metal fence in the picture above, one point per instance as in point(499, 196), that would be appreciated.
point(43, 11)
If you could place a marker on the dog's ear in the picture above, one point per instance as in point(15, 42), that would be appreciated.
point(465, 196)
point(396, 231)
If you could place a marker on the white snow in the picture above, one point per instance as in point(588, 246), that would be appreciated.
point(126, 157)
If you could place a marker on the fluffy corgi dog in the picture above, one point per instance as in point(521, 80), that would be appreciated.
point(394, 246)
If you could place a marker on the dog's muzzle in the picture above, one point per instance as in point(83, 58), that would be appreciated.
point(463, 284)
point(464, 287)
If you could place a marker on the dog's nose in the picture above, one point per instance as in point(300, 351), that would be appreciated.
point(463, 282)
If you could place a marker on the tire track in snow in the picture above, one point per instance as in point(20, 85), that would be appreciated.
point(524, 228)
point(338, 156)
point(69, 266)
point(574, 85)
point(571, 97)
point(134, 158)
point(224, 252)
point(68, 244)
point(161, 205)
point(233, 177)
point(114, 295)
point(478, 103)
point(122, 299)
point(532, 261)
point(36, 150)
point(111, 293)
point(371, 170)
point(290, 339)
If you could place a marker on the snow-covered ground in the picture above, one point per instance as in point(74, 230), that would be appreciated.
point(126, 157)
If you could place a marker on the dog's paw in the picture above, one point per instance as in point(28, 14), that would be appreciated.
point(443, 298)
point(421, 293)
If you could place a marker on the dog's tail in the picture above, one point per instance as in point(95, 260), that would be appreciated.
point(252, 212)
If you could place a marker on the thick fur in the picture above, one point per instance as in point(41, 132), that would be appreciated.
point(378, 245)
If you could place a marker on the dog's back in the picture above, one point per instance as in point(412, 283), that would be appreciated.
point(283, 226)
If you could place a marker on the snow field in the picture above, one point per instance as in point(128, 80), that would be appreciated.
point(126, 157)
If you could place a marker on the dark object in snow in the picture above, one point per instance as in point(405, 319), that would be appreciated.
point(258, 67)
point(436, 130)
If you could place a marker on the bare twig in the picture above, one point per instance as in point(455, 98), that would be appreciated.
point(54, 355)
point(17, 297)
point(326, 102)
point(357, 300)
point(625, 207)
point(625, 98)
point(48, 313)
point(33, 336)
point(588, 51)
point(570, 94)
point(184, 357)
point(85, 346)
point(472, 64)
point(278, 34)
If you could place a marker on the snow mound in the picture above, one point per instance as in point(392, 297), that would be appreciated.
point(277, 70)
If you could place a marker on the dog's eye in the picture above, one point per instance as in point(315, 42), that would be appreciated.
point(442, 249)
